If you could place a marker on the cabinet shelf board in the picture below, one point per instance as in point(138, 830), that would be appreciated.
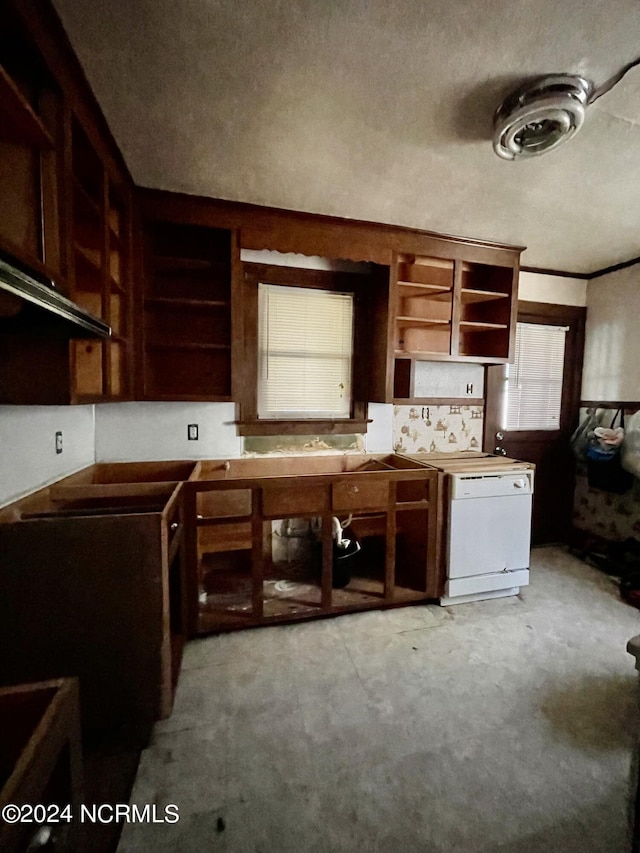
point(167, 263)
point(406, 322)
point(181, 302)
point(90, 257)
point(474, 326)
point(221, 520)
point(410, 505)
point(426, 354)
point(19, 122)
point(187, 345)
point(428, 291)
point(117, 286)
point(471, 295)
point(84, 203)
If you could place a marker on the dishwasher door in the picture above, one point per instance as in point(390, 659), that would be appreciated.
point(489, 523)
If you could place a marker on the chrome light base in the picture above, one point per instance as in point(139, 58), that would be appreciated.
point(540, 116)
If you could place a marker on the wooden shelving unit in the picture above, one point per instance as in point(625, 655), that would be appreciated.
point(100, 273)
point(447, 310)
point(187, 312)
point(30, 137)
point(20, 124)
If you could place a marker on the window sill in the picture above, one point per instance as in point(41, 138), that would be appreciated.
point(303, 427)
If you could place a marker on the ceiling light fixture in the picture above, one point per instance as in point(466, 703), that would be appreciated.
point(545, 112)
point(540, 116)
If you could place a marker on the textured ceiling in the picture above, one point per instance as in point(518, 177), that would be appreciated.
point(376, 110)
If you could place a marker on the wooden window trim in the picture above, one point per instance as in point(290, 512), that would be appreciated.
point(248, 422)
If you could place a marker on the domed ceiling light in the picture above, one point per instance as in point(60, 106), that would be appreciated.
point(540, 116)
point(545, 112)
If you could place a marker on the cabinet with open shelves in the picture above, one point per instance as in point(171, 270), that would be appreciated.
point(99, 271)
point(30, 145)
point(186, 307)
point(448, 310)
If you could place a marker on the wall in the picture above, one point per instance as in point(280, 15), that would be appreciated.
point(611, 372)
point(612, 348)
point(28, 459)
point(554, 289)
point(126, 432)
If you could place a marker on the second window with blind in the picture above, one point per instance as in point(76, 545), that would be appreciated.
point(534, 380)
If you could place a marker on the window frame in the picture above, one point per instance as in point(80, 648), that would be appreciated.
point(252, 275)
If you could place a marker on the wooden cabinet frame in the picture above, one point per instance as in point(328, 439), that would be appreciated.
point(379, 494)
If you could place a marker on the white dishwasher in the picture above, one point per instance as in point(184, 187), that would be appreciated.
point(489, 534)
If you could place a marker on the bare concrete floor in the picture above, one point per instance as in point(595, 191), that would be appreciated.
point(504, 726)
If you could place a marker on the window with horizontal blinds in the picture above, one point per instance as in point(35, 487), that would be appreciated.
point(305, 352)
point(534, 381)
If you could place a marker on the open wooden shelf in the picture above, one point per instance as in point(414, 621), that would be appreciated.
point(406, 322)
point(187, 303)
point(469, 294)
point(187, 345)
point(477, 326)
point(165, 263)
point(428, 291)
point(19, 121)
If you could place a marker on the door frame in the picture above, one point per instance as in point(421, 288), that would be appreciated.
point(551, 315)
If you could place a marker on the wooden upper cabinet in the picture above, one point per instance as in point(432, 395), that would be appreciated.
point(186, 312)
point(100, 270)
point(65, 213)
point(444, 309)
point(30, 146)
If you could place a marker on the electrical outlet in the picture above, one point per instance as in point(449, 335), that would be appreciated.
point(469, 388)
point(59, 442)
point(192, 432)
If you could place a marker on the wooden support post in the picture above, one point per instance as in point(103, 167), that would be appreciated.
point(390, 546)
point(327, 562)
point(257, 554)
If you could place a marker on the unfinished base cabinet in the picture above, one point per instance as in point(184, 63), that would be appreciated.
point(41, 766)
point(91, 586)
point(260, 537)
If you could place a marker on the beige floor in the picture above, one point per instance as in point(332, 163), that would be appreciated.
point(504, 727)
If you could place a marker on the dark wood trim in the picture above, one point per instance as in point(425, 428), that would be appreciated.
point(615, 267)
point(312, 233)
point(549, 311)
point(585, 276)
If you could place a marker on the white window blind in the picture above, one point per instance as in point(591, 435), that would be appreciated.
point(305, 350)
point(534, 381)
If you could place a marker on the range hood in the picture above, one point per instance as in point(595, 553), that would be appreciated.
point(31, 305)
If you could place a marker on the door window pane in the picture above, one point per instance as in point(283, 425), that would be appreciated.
point(534, 381)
